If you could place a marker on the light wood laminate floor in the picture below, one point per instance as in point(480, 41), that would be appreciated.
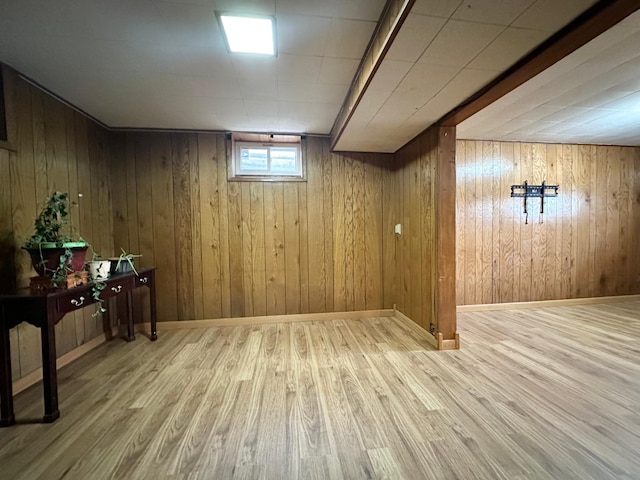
point(545, 393)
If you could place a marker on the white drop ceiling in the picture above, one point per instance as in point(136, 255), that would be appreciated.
point(163, 64)
point(591, 96)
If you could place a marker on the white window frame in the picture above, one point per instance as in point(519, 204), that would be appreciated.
point(238, 174)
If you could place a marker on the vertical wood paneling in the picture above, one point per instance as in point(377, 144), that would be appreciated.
point(225, 265)
point(328, 219)
point(256, 248)
point(236, 250)
point(504, 169)
point(144, 203)
point(486, 218)
point(304, 245)
point(247, 251)
point(183, 226)
point(133, 241)
point(316, 227)
point(427, 227)
point(163, 223)
point(360, 203)
point(210, 226)
point(349, 231)
point(372, 268)
point(84, 204)
point(339, 234)
point(634, 277)
point(414, 233)
point(584, 194)
point(291, 247)
point(582, 247)
point(197, 291)
point(425, 254)
point(625, 262)
point(258, 272)
point(274, 250)
point(614, 194)
point(52, 145)
point(470, 215)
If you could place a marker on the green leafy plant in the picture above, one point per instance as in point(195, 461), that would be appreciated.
point(52, 225)
point(96, 290)
point(59, 275)
point(127, 257)
point(54, 248)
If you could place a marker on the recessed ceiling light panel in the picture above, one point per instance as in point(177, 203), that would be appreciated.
point(248, 33)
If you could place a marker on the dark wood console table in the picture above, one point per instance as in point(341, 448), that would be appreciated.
point(44, 312)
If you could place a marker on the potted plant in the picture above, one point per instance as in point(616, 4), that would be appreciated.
point(55, 250)
point(124, 263)
point(99, 269)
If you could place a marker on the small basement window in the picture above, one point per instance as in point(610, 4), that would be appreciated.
point(257, 157)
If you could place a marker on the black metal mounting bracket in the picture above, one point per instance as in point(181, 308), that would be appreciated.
point(525, 191)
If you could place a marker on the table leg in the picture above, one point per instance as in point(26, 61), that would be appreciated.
point(130, 332)
point(49, 373)
point(152, 305)
point(7, 417)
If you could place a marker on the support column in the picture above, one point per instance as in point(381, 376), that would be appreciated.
point(445, 218)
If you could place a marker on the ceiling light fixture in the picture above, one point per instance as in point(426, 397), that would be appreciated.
point(248, 33)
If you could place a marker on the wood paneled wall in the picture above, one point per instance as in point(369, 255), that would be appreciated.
point(586, 244)
point(421, 197)
point(50, 147)
point(231, 249)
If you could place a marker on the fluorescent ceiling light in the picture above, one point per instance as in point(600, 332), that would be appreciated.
point(249, 34)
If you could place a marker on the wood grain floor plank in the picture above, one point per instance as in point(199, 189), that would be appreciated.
point(544, 393)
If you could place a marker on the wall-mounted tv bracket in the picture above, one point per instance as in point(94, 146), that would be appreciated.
point(525, 191)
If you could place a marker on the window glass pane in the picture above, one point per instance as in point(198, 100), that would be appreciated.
point(253, 159)
point(283, 160)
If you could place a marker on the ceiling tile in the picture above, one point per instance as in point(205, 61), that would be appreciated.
point(390, 73)
point(262, 115)
point(353, 9)
point(551, 15)
point(460, 42)
point(397, 109)
point(428, 77)
point(322, 118)
point(415, 36)
point(255, 7)
point(499, 12)
point(511, 45)
point(188, 24)
point(339, 71)
point(311, 93)
point(302, 34)
point(255, 88)
point(370, 103)
point(298, 68)
point(254, 67)
point(436, 8)
point(348, 38)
